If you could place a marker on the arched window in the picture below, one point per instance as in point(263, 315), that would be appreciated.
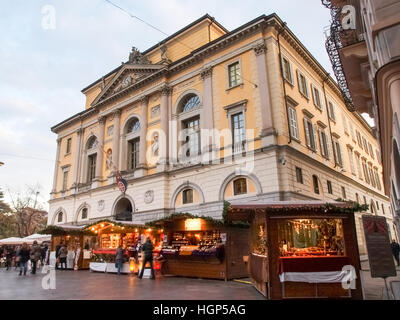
point(84, 214)
point(187, 196)
point(240, 186)
point(92, 143)
point(60, 217)
point(133, 126)
point(189, 103)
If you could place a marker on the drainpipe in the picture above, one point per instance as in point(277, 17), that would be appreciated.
point(327, 113)
point(283, 80)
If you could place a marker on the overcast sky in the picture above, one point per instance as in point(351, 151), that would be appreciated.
point(42, 71)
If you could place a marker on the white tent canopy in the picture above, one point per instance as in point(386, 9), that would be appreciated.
point(38, 237)
point(11, 241)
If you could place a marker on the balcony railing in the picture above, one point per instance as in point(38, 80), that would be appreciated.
point(337, 39)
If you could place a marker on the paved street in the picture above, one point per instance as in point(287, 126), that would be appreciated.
point(82, 285)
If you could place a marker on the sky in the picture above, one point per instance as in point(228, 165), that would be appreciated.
point(51, 50)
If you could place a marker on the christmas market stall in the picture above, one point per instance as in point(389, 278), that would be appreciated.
point(203, 247)
point(111, 234)
point(303, 249)
point(78, 241)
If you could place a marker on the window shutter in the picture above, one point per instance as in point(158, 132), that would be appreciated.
point(298, 79)
point(313, 94)
point(321, 142)
point(291, 74)
point(315, 137)
point(307, 132)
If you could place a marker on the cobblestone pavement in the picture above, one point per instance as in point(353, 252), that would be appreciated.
point(85, 285)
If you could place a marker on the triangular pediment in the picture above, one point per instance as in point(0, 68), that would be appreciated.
point(126, 77)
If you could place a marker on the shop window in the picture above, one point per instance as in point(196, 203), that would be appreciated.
point(234, 74)
point(187, 196)
point(240, 186)
point(315, 184)
point(311, 237)
point(329, 184)
point(299, 175)
point(84, 213)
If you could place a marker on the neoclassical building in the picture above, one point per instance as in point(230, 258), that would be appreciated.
point(210, 115)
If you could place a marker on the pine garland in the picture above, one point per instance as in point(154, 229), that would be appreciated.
point(59, 231)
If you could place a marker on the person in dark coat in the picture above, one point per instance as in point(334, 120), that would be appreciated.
point(58, 247)
point(63, 253)
point(148, 257)
point(119, 258)
point(24, 255)
point(36, 254)
point(9, 253)
point(395, 251)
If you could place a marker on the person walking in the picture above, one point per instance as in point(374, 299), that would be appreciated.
point(17, 257)
point(58, 247)
point(43, 251)
point(9, 253)
point(119, 258)
point(24, 255)
point(63, 253)
point(148, 257)
point(395, 251)
point(35, 256)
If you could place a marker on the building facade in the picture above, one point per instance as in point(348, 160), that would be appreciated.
point(208, 116)
point(364, 45)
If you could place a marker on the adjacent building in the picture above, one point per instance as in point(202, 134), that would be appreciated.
point(364, 46)
point(210, 115)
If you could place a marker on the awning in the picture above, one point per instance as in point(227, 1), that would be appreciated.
point(11, 241)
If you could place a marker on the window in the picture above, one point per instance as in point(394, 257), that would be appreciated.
point(357, 198)
point(365, 170)
point(191, 102)
point(84, 213)
point(378, 180)
point(240, 186)
point(315, 184)
point(331, 111)
point(371, 175)
point(358, 163)
point(346, 129)
point(383, 209)
point(365, 199)
point(234, 74)
point(133, 147)
point(299, 175)
point(238, 134)
point(187, 196)
point(365, 145)
point(337, 153)
point(65, 180)
point(323, 141)
point(371, 151)
point(351, 159)
point(68, 148)
point(329, 184)
point(91, 167)
point(287, 70)
point(344, 193)
point(378, 156)
point(92, 143)
point(316, 97)
point(192, 128)
point(377, 205)
point(303, 86)
point(359, 141)
point(310, 134)
point(133, 126)
point(294, 129)
point(60, 217)
point(352, 131)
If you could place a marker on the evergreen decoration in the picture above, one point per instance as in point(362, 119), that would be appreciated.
point(115, 223)
point(59, 231)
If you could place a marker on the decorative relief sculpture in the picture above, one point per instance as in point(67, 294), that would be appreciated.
point(100, 205)
point(155, 146)
point(109, 159)
point(155, 111)
point(149, 196)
